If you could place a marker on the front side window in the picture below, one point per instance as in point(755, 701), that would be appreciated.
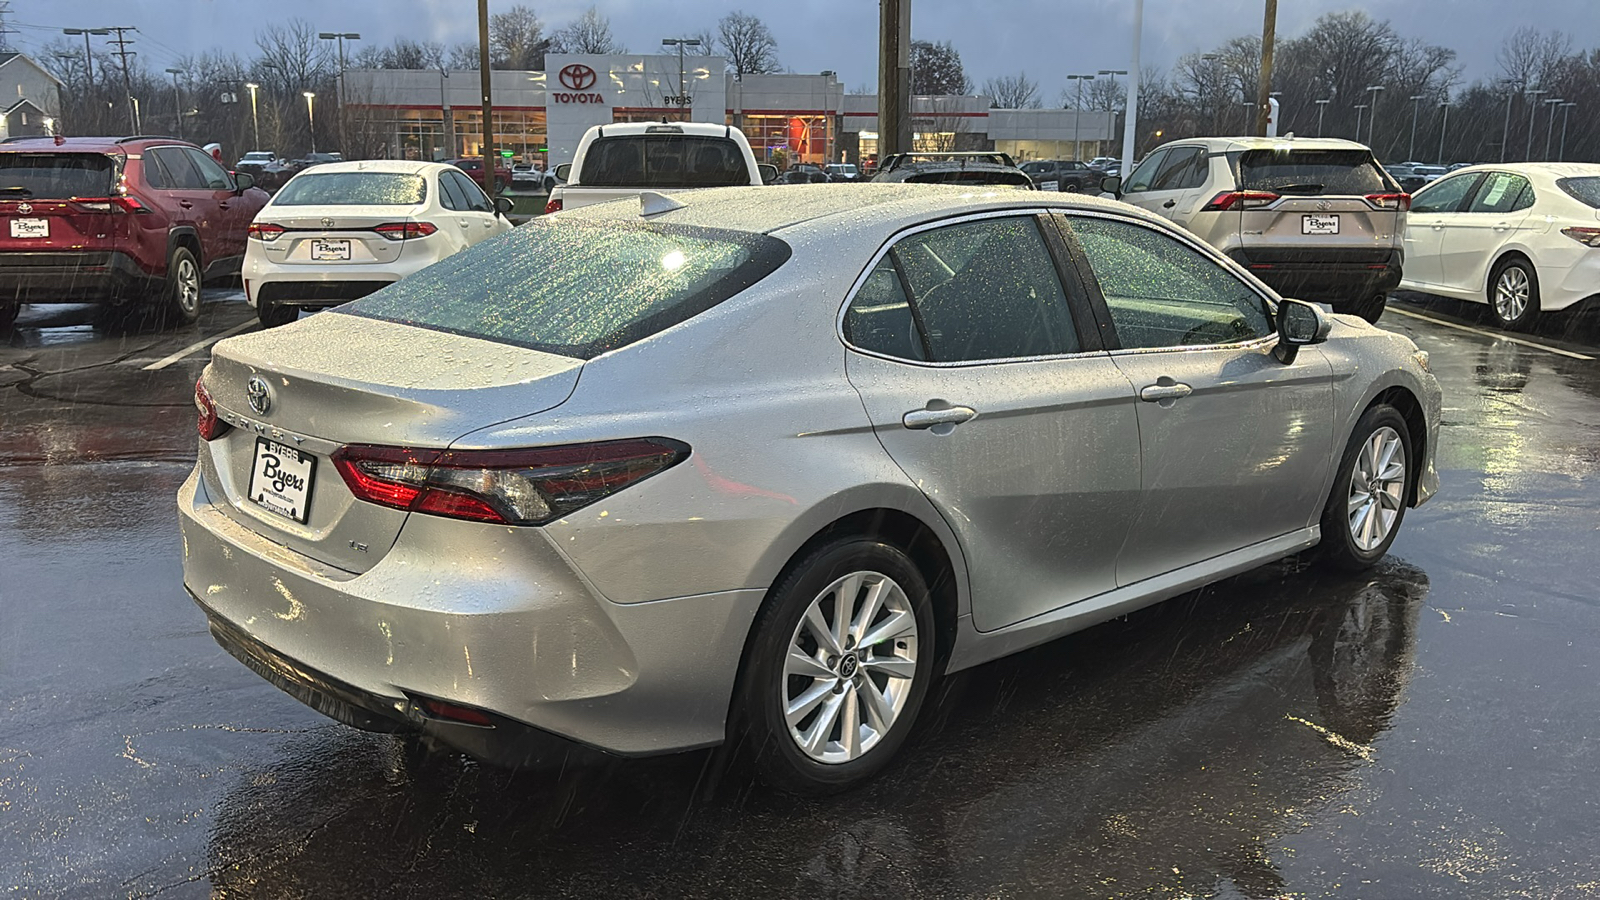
point(1164, 293)
point(1182, 169)
point(474, 197)
point(1142, 177)
point(216, 178)
point(1446, 194)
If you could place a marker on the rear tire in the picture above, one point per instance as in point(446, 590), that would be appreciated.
point(273, 315)
point(1514, 294)
point(180, 301)
point(1071, 187)
point(1370, 490)
point(8, 316)
point(867, 686)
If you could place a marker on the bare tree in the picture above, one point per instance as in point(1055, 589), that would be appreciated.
point(1528, 57)
point(463, 56)
point(750, 47)
point(936, 69)
point(1013, 91)
point(589, 33)
point(708, 42)
point(292, 58)
point(516, 39)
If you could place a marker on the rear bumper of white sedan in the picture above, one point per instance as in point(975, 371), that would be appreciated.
point(319, 285)
point(501, 625)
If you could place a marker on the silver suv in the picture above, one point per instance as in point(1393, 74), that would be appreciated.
point(1315, 218)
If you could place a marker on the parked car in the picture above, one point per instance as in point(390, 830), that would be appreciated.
point(1070, 175)
point(1101, 163)
point(1316, 218)
point(314, 159)
point(803, 174)
point(1429, 173)
point(254, 160)
point(526, 176)
point(1523, 238)
point(473, 166)
point(118, 221)
point(624, 160)
point(652, 483)
point(343, 230)
point(843, 172)
point(978, 168)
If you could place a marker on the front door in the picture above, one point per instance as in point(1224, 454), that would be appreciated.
point(977, 383)
point(1234, 445)
point(1432, 209)
point(1173, 190)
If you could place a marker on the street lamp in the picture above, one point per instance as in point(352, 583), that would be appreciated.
point(1111, 114)
point(1322, 107)
point(1077, 113)
point(338, 96)
point(1565, 115)
point(255, 119)
point(1130, 122)
point(1549, 127)
point(311, 118)
point(1444, 126)
point(1416, 103)
point(1372, 123)
point(681, 100)
point(1505, 135)
point(177, 100)
point(1533, 107)
point(88, 55)
point(1359, 108)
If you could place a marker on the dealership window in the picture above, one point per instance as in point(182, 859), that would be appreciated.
point(806, 137)
point(421, 133)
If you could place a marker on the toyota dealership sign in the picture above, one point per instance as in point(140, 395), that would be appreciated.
point(577, 79)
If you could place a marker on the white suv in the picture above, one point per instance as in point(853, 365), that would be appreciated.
point(1315, 218)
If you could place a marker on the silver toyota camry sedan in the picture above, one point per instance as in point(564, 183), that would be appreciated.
point(764, 465)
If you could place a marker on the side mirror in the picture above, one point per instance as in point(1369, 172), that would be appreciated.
point(564, 172)
point(243, 181)
point(769, 173)
point(1111, 184)
point(1299, 323)
point(503, 205)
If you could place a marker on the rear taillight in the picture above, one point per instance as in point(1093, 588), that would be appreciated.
point(1239, 200)
point(1589, 237)
point(264, 231)
point(553, 206)
point(402, 231)
point(1390, 201)
point(511, 487)
point(209, 426)
point(123, 204)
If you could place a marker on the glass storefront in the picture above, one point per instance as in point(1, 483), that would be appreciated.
point(410, 133)
point(806, 137)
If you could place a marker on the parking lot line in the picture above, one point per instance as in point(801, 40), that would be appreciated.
point(1492, 334)
point(165, 361)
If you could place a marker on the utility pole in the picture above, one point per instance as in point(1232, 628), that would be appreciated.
point(488, 101)
point(1322, 107)
point(311, 117)
point(1565, 115)
point(1533, 107)
point(894, 77)
point(122, 52)
point(1505, 136)
point(1444, 126)
point(255, 118)
point(682, 100)
point(1359, 108)
point(177, 100)
point(338, 94)
point(1077, 114)
point(1269, 31)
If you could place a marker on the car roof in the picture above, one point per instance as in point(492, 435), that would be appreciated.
point(1269, 143)
point(1547, 169)
point(625, 129)
point(401, 166)
point(90, 144)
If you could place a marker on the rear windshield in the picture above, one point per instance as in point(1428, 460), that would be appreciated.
point(664, 160)
point(353, 189)
point(578, 289)
point(1311, 172)
point(968, 176)
point(1584, 190)
point(54, 176)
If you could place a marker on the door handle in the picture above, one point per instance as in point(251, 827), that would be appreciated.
point(1169, 204)
point(1154, 393)
point(1438, 226)
point(927, 418)
point(185, 204)
point(462, 222)
point(1502, 226)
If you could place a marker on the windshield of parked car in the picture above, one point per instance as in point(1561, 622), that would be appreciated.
point(353, 189)
point(1311, 171)
point(24, 176)
point(1585, 189)
point(254, 156)
point(578, 289)
point(664, 161)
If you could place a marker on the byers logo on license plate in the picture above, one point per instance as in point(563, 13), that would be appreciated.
point(1319, 224)
point(280, 479)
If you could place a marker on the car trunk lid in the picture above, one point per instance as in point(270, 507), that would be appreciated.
point(334, 380)
point(1319, 204)
point(336, 234)
point(52, 202)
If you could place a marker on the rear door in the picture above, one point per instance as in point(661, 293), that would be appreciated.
point(479, 214)
point(230, 213)
point(1432, 212)
point(190, 197)
point(37, 208)
point(1497, 213)
point(1320, 204)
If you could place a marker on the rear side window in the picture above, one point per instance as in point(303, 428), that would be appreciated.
point(353, 189)
point(664, 160)
point(1502, 192)
point(578, 289)
point(1584, 190)
point(54, 176)
point(880, 319)
point(1311, 172)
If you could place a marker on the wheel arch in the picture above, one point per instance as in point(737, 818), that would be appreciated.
point(1507, 253)
point(188, 237)
point(1410, 408)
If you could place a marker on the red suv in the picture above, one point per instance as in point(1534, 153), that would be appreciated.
point(473, 165)
point(118, 221)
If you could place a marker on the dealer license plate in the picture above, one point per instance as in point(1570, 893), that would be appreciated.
point(30, 228)
point(280, 479)
point(1319, 224)
point(329, 250)
point(1049, 185)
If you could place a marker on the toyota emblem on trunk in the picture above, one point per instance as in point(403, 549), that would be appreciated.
point(24, 207)
point(259, 395)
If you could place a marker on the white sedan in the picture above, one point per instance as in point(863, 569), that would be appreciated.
point(343, 230)
point(1523, 238)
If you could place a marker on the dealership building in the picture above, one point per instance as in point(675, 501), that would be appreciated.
point(541, 116)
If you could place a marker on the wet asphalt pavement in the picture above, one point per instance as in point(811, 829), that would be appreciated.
point(1426, 730)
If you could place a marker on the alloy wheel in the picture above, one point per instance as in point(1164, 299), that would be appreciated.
point(188, 287)
point(1511, 294)
point(1377, 488)
point(851, 665)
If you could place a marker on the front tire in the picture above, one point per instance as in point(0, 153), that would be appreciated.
point(839, 667)
point(1514, 294)
point(181, 296)
point(1370, 491)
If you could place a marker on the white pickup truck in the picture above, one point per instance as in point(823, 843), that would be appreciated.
point(618, 161)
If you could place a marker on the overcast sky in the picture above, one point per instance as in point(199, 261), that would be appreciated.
point(1046, 38)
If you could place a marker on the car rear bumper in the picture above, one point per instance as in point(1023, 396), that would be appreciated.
point(490, 618)
point(85, 276)
point(1313, 275)
point(321, 285)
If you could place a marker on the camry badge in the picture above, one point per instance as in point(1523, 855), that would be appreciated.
point(259, 395)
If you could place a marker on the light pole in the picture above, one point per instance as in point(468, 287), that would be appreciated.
point(338, 94)
point(1533, 107)
point(1372, 123)
point(1565, 115)
point(1416, 103)
point(1359, 108)
point(1444, 126)
point(1077, 113)
point(1111, 116)
point(680, 101)
point(1550, 126)
point(1322, 107)
point(88, 55)
point(1505, 136)
point(311, 118)
point(1130, 126)
point(446, 132)
point(177, 100)
point(255, 118)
